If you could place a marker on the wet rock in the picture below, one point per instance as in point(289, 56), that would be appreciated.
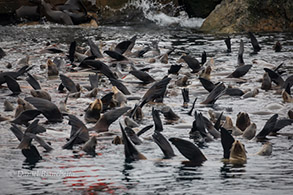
point(199, 8)
point(250, 15)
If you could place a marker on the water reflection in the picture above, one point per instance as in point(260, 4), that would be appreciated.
point(189, 171)
point(232, 170)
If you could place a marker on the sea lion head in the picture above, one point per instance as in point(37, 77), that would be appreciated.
point(243, 121)
point(286, 97)
point(237, 153)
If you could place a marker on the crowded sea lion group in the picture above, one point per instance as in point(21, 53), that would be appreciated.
point(119, 86)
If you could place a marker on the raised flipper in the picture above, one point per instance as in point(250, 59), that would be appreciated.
point(25, 116)
point(164, 144)
point(157, 120)
point(131, 153)
point(269, 127)
point(227, 140)
point(189, 150)
point(132, 135)
point(33, 82)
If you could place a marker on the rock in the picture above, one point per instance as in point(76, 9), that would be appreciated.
point(199, 8)
point(232, 16)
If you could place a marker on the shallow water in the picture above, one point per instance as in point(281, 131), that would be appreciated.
point(65, 171)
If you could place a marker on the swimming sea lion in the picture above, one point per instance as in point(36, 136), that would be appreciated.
point(8, 106)
point(266, 82)
point(242, 121)
point(119, 97)
point(182, 82)
point(249, 94)
point(206, 73)
point(237, 153)
point(41, 94)
point(228, 124)
point(22, 105)
point(277, 47)
point(93, 112)
point(52, 68)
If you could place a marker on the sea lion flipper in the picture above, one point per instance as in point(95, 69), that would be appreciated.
point(157, 120)
point(12, 85)
point(40, 140)
point(33, 82)
point(189, 150)
point(163, 143)
point(25, 116)
point(227, 140)
point(268, 127)
point(143, 130)
point(17, 132)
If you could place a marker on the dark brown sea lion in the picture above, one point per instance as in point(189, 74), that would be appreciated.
point(242, 121)
point(192, 63)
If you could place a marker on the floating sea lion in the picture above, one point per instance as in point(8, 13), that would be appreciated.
point(119, 97)
point(266, 82)
point(229, 126)
point(41, 94)
point(277, 47)
point(52, 68)
point(249, 94)
point(22, 105)
point(266, 150)
point(182, 82)
point(206, 73)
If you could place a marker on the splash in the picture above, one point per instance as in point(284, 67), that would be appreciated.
point(165, 14)
point(152, 11)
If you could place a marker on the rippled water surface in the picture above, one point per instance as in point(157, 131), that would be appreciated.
point(66, 171)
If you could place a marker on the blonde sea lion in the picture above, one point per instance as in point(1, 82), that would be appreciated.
point(237, 153)
point(266, 150)
point(249, 132)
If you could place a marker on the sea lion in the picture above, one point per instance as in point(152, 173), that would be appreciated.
point(8, 106)
point(33, 82)
point(68, 83)
point(249, 132)
point(185, 95)
point(266, 82)
point(119, 97)
point(48, 109)
point(132, 135)
point(228, 44)
point(55, 15)
point(169, 114)
point(206, 73)
point(249, 94)
point(156, 91)
point(237, 153)
point(52, 68)
point(192, 63)
point(95, 50)
point(215, 94)
point(12, 85)
point(228, 124)
point(290, 114)
point(90, 146)
point(198, 131)
point(268, 127)
point(277, 47)
point(13, 74)
point(182, 82)
point(41, 94)
point(240, 71)
point(266, 150)
point(207, 84)
point(254, 43)
point(143, 76)
point(108, 118)
point(286, 97)
point(242, 121)
point(25, 116)
point(174, 69)
point(240, 61)
point(22, 105)
point(93, 111)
